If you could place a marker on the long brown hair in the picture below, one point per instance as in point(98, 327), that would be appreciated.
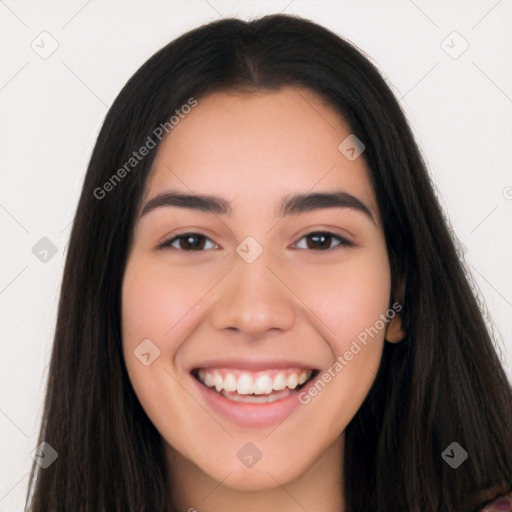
point(444, 383)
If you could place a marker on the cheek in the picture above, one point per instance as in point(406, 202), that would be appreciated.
point(157, 299)
point(354, 299)
point(158, 304)
point(360, 296)
point(348, 298)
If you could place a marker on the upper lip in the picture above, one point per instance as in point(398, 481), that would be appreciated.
point(254, 365)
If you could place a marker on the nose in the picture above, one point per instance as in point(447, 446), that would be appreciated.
point(254, 299)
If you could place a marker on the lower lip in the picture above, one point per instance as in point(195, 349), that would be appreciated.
point(251, 414)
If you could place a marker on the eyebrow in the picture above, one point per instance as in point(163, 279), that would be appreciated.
point(289, 205)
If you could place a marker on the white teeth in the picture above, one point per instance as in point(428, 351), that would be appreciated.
point(291, 381)
point(218, 381)
point(261, 384)
point(303, 377)
point(208, 379)
point(230, 382)
point(245, 385)
point(279, 382)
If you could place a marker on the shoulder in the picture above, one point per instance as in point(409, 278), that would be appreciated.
point(500, 503)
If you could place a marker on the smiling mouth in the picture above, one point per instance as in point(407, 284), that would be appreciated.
point(254, 387)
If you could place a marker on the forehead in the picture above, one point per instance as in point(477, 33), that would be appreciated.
point(250, 147)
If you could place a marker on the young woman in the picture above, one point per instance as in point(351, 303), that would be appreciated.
point(262, 306)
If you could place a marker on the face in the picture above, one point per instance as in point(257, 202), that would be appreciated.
point(254, 320)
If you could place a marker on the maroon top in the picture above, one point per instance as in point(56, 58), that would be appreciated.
point(500, 503)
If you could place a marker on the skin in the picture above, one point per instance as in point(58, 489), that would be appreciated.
point(292, 302)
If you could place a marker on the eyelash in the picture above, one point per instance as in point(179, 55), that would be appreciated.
point(343, 242)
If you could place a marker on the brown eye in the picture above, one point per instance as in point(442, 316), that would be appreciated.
point(322, 240)
point(187, 242)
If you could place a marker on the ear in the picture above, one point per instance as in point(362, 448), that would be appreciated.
point(395, 332)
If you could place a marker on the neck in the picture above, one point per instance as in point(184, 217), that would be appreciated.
point(319, 488)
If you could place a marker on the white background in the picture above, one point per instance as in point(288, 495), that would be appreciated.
point(52, 109)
